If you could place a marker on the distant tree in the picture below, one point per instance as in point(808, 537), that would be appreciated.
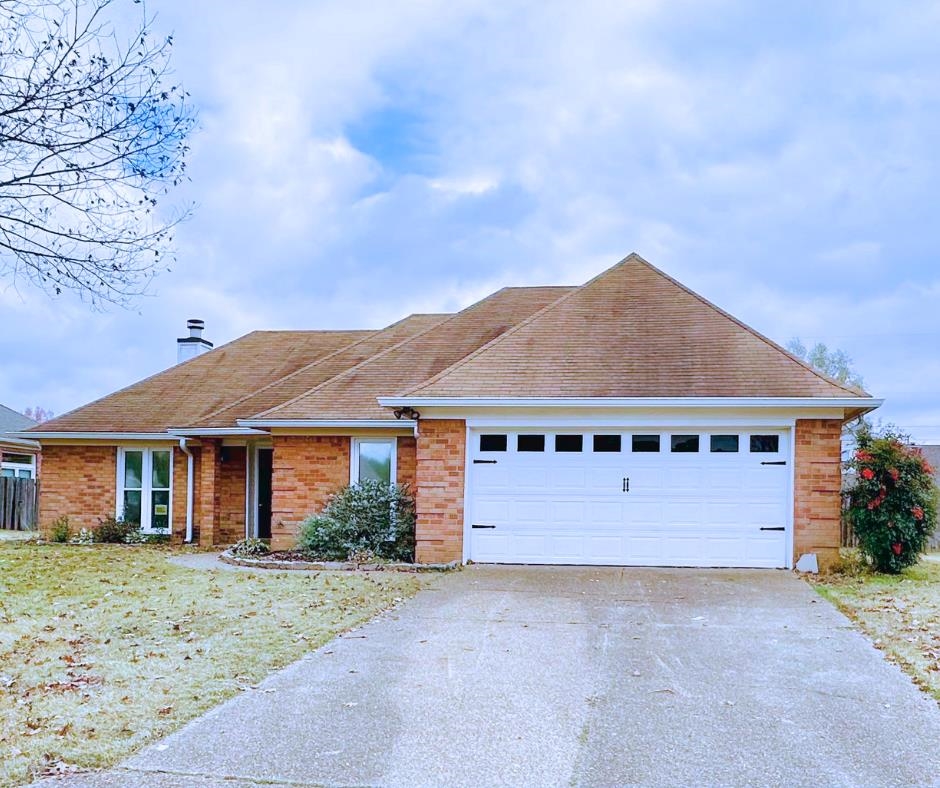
point(92, 134)
point(835, 363)
point(38, 414)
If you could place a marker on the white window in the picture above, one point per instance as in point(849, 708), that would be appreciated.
point(18, 466)
point(373, 459)
point(145, 482)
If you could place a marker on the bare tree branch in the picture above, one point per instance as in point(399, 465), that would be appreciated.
point(93, 132)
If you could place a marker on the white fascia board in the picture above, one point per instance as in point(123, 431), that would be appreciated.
point(7, 439)
point(865, 403)
point(622, 421)
point(224, 432)
point(101, 436)
point(329, 424)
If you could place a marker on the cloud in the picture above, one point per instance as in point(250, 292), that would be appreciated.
point(356, 161)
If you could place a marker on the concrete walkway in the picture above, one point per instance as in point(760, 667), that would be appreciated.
point(564, 676)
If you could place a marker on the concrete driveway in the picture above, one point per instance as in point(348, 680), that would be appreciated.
point(539, 676)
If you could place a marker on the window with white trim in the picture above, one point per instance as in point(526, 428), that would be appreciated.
point(145, 488)
point(373, 459)
point(18, 466)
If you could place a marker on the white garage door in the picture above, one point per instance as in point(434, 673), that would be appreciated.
point(683, 497)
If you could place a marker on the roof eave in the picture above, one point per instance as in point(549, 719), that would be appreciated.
point(859, 404)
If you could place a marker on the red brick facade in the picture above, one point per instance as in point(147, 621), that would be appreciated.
point(307, 470)
point(79, 483)
point(232, 486)
point(439, 490)
point(406, 459)
point(817, 488)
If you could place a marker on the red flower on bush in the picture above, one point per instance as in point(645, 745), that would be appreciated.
point(863, 456)
point(896, 548)
point(894, 473)
point(868, 473)
point(918, 513)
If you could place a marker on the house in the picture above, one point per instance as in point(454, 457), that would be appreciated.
point(19, 457)
point(627, 421)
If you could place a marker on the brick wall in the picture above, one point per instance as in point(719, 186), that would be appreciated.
point(307, 469)
point(439, 490)
point(817, 485)
point(407, 459)
point(232, 482)
point(178, 521)
point(78, 482)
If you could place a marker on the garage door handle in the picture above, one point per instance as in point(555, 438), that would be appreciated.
point(775, 528)
point(484, 462)
point(475, 525)
point(626, 484)
point(774, 462)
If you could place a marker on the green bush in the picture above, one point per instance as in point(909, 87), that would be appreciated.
point(113, 530)
point(61, 530)
point(892, 500)
point(370, 518)
point(250, 548)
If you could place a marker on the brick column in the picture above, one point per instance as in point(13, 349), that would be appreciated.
point(818, 489)
point(439, 489)
point(209, 502)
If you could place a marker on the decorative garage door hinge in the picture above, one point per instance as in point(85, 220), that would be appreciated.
point(774, 462)
point(477, 525)
point(484, 462)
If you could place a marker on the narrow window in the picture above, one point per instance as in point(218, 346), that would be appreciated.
point(530, 443)
point(569, 443)
point(374, 461)
point(684, 444)
point(765, 444)
point(724, 444)
point(133, 486)
point(645, 444)
point(493, 443)
point(606, 443)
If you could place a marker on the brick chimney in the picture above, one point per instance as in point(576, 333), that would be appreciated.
point(193, 345)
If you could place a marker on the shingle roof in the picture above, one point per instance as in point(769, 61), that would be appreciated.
point(11, 421)
point(202, 385)
point(317, 372)
point(631, 332)
point(352, 395)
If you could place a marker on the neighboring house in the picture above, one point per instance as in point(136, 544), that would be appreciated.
point(627, 421)
point(19, 457)
point(932, 455)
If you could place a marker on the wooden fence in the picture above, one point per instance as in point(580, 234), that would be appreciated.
point(18, 503)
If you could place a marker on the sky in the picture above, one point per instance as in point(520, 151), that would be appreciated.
point(358, 161)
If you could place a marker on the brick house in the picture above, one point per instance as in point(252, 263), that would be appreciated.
point(627, 421)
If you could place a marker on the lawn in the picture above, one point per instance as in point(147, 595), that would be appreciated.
point(901, 614)
point(106, 648)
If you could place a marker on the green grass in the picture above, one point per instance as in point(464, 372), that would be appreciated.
point(106, 648)
point(900, 613)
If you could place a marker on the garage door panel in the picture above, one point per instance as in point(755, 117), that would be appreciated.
point(681, 509)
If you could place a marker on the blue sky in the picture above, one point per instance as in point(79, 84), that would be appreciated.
point(357, 161)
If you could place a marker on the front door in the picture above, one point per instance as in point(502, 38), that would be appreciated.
point(265, 462)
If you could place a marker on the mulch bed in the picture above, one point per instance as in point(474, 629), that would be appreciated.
point(291, 559)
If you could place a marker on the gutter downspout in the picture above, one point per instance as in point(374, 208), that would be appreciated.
point(189, 489)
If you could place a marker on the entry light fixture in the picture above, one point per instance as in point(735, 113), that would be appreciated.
point(407, 413)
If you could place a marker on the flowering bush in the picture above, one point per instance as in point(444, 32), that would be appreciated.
point(893, 501)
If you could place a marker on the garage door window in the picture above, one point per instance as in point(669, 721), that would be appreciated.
point(724, 444)
point(648, 444)
point(530, 443)
point(606, 443)
point(493, 443)
point(684, 444)
point(765, 444)
point(569, 443)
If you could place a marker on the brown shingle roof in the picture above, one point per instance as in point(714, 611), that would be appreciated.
point(318, 372)
point(194, 388)
point(352, 395)
point(631, 332)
